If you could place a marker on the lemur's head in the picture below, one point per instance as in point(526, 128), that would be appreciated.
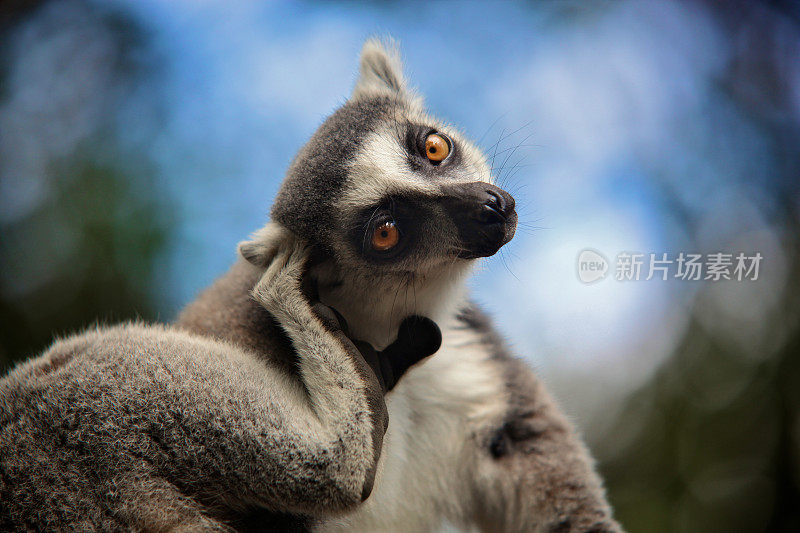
point(383, 189)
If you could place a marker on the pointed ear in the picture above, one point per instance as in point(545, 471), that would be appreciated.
point(263, 244)
point(380, 71)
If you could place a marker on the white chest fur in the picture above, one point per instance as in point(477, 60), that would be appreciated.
point(434, 414)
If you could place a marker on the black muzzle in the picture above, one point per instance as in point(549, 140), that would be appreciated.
point(484, 215)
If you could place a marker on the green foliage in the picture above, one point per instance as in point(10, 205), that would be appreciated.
point(86, 254)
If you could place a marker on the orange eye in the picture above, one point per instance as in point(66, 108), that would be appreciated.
point(385, 237)
point(436, 147)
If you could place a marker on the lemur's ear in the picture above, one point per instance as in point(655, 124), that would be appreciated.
point(263, 244)
point(380, 71)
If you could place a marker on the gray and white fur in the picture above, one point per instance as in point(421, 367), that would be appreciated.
point(265, 406)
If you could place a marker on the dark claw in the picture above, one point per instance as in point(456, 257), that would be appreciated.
point(330, 317)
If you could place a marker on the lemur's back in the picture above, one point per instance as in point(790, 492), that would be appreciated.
point(107, 429)
point(87, 427)
point(227, 311)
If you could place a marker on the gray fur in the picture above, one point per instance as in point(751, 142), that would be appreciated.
point(255, 412)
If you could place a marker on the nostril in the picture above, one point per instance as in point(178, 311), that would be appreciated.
point(496, 201)
point(501, 201)
point(479, 201)
point(492, 211)
point(509, 204)
point(490, 215)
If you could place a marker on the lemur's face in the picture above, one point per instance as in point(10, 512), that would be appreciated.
point(385, 188)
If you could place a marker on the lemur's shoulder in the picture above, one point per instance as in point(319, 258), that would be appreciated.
point(530, 410)
point(226, 311)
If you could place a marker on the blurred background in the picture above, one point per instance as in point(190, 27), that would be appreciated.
point(140, 140)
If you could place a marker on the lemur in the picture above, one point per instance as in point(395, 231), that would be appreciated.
point(298, 392)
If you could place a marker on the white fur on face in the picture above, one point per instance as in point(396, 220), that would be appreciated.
point(381, 169)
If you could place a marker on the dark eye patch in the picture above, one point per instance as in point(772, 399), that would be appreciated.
point(406, 213)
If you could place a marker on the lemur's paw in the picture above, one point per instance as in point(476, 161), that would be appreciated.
point(335, 323)
point(417, 338)
point(330, 317)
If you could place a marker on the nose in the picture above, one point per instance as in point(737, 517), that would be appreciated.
point(497, 205)
point(483, 214)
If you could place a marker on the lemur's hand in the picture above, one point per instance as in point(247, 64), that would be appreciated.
point(418, 337)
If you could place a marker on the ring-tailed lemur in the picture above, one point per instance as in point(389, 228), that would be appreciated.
point(397, 205)
point(260, 410)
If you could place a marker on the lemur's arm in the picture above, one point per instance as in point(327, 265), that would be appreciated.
point(331, 458)
point(332, 455)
